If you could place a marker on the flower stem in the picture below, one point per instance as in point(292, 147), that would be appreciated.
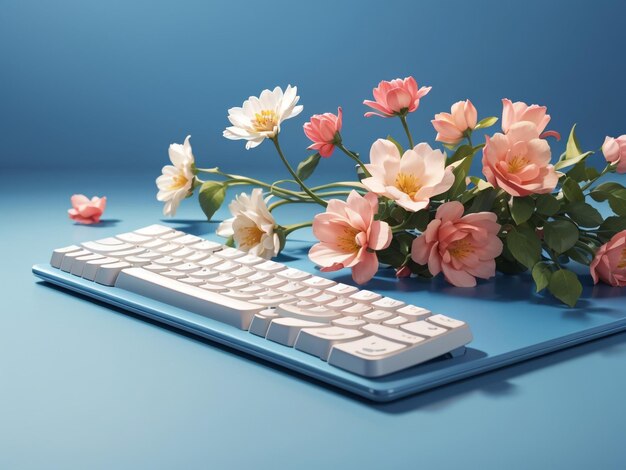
point(311, 194)
point(294, 227)
point(304, 201)
point(406, 129)
point(339, 184)
point(354, 157)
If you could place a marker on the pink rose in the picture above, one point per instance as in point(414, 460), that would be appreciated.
point(463, 247)
point(519, 161)
point(322, 129)
point(614, 151)
point(86, 211)
point(349, 236)
point(396, 97)
point(519, 111)
point(410, 179)
point(451, 126)
point(609, 264)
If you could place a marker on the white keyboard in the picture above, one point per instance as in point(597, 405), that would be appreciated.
point(356, 330)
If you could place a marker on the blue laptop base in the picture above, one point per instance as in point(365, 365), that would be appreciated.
point(510, 323)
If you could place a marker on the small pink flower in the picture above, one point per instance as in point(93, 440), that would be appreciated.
point(519, 161)
point(519, 111)
point(614, 151)
point(322, 129)
point(410, 179)
point(463, 247)
point(86, 211)
point(451, 126)
point(396, 97)
point(609, 264)
point(349, 236)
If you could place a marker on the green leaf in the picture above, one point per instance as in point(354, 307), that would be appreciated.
point(571, 161)
point(578, 255)
point(617, 201)
point(486, 122)
point(483, 201)
point(584, 214)
point(460, 173)
point(547, 204)
point(398, 214)
point(397, 144)
point(462, 152)
point(541, 275)
point(521, 209)
point(524, 246)
point(577, 172)
point(611, 226)
point(307, 166)
point(211, 197)
point(560, 235)
point(572, 148)
point(572, 191)
point(419, 220)
point(592, 173)
point(565, 286)
point(602, 192)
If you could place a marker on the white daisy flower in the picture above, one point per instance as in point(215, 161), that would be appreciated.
point(252, 225)
point(177, 179)
point(260, 118)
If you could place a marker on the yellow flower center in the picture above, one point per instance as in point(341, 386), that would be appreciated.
point(622, 259)
point(265, 121)
point(460, 249)
point(408, 184)
point(178, 181)
point(517, 163)
point(250, 236)
point(347, 240)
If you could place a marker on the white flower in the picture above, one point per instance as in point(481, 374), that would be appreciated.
point(177, 180)
point(260, 118)
point(252, 225)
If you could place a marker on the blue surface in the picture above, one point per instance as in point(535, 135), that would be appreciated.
point(90, 386)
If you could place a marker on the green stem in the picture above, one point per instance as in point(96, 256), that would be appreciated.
point(354, 157)
point(311, 194)
point(406, 129)
point(339, 184)
point(469, 140)
point(304, 201)
point(294, 227)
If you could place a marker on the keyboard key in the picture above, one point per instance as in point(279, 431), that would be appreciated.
point(79, 263)
point(107, 273)
point(259, 276)
point(423, 328)
point(446, 322)
point(156, 268)
point(285, 330)
point(365, 296)
point(105, 249)
point(273, 282)
point(243, 271)
point(323, 299)
point(290, 287)
point(308, 293)
point(157, 242)
point(387, 303)
point(356, 310)
point(395, 321)
point(192, 280)
point(222, 279)
point(137, 261)
point(130, 252)
point(377, 316)
point(150, 255)
point(235, 294)
point(413, 313)
point(250, 260)
point(91, 267)
point(393, 334)
point(273, 300)
point(210, 261)
point(349, 322)
point(293, 274)
point(340, 303)
point(229, 253)
point(364, 356)
point(171, 274)
point(204, 273)
point(182, 253)
point(187, 268)
point(319, 341)
point(342, 290)
point(187, 240)
point(172, 235)
point(206, 245)
point(133, 238)
point(318, 282)
point(261, 322)
point(68, 259)
point(166, 261)
point(270, 267)
point(154, 230)
point(109, 241)
point(238, 284)
point(167, 249)
point(225, 266)
point(194, 299)
point(197, 256)
point(317, 313)
point(214, 287)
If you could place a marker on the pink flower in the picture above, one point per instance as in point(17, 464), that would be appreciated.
point(396, 97)
point(519, 111)
point(322, 129)
point(519, 162)
point(614, 151)
point(609, 264)
point(86, 211)
point(349, 236)
point(463, 247)
point(451, 126)
point(411, 179)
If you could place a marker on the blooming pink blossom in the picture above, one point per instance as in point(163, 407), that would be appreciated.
point(519, 161)
point(614, 151)
point(322, 129)
point(519, 111)
point(463, 247)
point(349, 236)
point(609, 264)
point(411, 179)
point(396, 97)
point(86, 211)
point(452, 126)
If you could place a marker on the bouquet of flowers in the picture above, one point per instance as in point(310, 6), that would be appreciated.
point(418, 209)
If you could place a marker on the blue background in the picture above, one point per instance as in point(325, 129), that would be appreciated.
point(88, 84)
point(91, 95)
